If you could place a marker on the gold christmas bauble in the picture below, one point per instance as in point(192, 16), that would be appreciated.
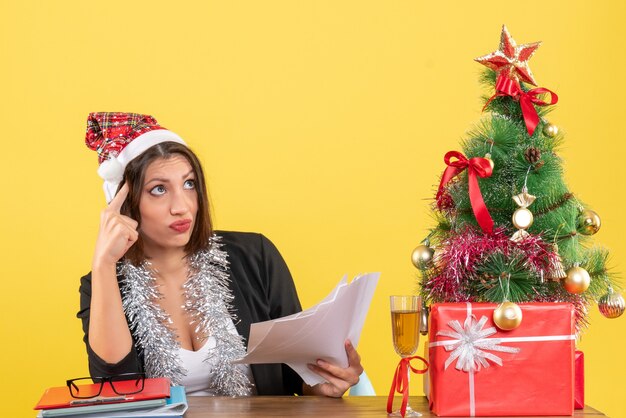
point(550, 130)
point(422, 256)
point(491, 163)
point(507, 316)
point(588, 222)
point(577, 280)
point(522, 218)
point(611, 305)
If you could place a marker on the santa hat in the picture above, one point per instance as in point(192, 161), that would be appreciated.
point(120, 137)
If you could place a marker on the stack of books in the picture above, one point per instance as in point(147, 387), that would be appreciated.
point(157, 399)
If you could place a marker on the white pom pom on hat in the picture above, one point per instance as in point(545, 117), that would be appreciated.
point(111, 170)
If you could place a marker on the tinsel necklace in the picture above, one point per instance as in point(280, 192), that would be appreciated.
point(208, 300)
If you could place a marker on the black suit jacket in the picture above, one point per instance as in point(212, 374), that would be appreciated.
point(263, 289)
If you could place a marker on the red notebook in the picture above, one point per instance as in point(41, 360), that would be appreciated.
point(59, 397)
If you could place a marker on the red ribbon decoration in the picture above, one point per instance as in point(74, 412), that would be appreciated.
point(401, 382)
point(476, 167)
point(505, 86)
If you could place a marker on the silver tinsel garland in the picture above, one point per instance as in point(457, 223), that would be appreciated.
point(209, 304)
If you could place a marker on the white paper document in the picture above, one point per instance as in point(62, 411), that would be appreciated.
point(316, 333)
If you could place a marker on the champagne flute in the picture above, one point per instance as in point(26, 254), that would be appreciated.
point(405, 324)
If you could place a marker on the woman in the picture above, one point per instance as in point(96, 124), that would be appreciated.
point(168, 295)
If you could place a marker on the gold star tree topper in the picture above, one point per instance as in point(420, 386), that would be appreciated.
point(511, 59)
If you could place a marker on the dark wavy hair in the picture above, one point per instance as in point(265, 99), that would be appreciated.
point(134, 175)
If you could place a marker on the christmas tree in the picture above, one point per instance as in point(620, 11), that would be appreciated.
point(509, 229)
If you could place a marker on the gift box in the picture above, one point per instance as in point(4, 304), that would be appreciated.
point(477, 369)
point(579, 380)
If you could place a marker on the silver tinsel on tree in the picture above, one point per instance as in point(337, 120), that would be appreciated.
point(208, 302)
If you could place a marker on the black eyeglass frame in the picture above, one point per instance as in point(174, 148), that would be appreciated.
point(102, 380)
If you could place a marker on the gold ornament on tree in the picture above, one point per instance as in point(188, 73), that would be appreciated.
point(507, 316)
point(550, 130)
point(556, 271)
point(577, 280)
point(612, 304)
point(491, 163)
point(522, 217)
point(588, 222)
point(422, 256)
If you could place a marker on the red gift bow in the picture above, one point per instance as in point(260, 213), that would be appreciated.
point(401, 382)
point(476, 167)
point(505, 86)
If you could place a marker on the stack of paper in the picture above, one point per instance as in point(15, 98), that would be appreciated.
point(316, 333)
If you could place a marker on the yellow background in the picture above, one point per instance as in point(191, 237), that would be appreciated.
point(321, 124)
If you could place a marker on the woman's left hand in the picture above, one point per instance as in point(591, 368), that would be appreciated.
point(338, 379)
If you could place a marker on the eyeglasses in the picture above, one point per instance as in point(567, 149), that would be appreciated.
point(90, 387)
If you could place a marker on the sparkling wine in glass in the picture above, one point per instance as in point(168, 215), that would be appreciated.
point(405, 324)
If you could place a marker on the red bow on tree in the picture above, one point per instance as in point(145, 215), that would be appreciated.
point(401, 382)
point(506, 86)
point(476, 167)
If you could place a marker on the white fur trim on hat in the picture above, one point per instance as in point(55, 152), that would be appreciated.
point(112, 170)
point(145, 141)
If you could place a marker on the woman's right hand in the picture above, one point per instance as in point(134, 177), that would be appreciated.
point(109, 335)
point(117, 232)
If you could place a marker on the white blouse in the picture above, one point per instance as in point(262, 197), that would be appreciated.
point(199, 376)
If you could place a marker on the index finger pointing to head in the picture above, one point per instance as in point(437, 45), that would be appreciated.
point(118, 200)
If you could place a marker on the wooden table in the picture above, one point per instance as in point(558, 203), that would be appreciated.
point(309, 406)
